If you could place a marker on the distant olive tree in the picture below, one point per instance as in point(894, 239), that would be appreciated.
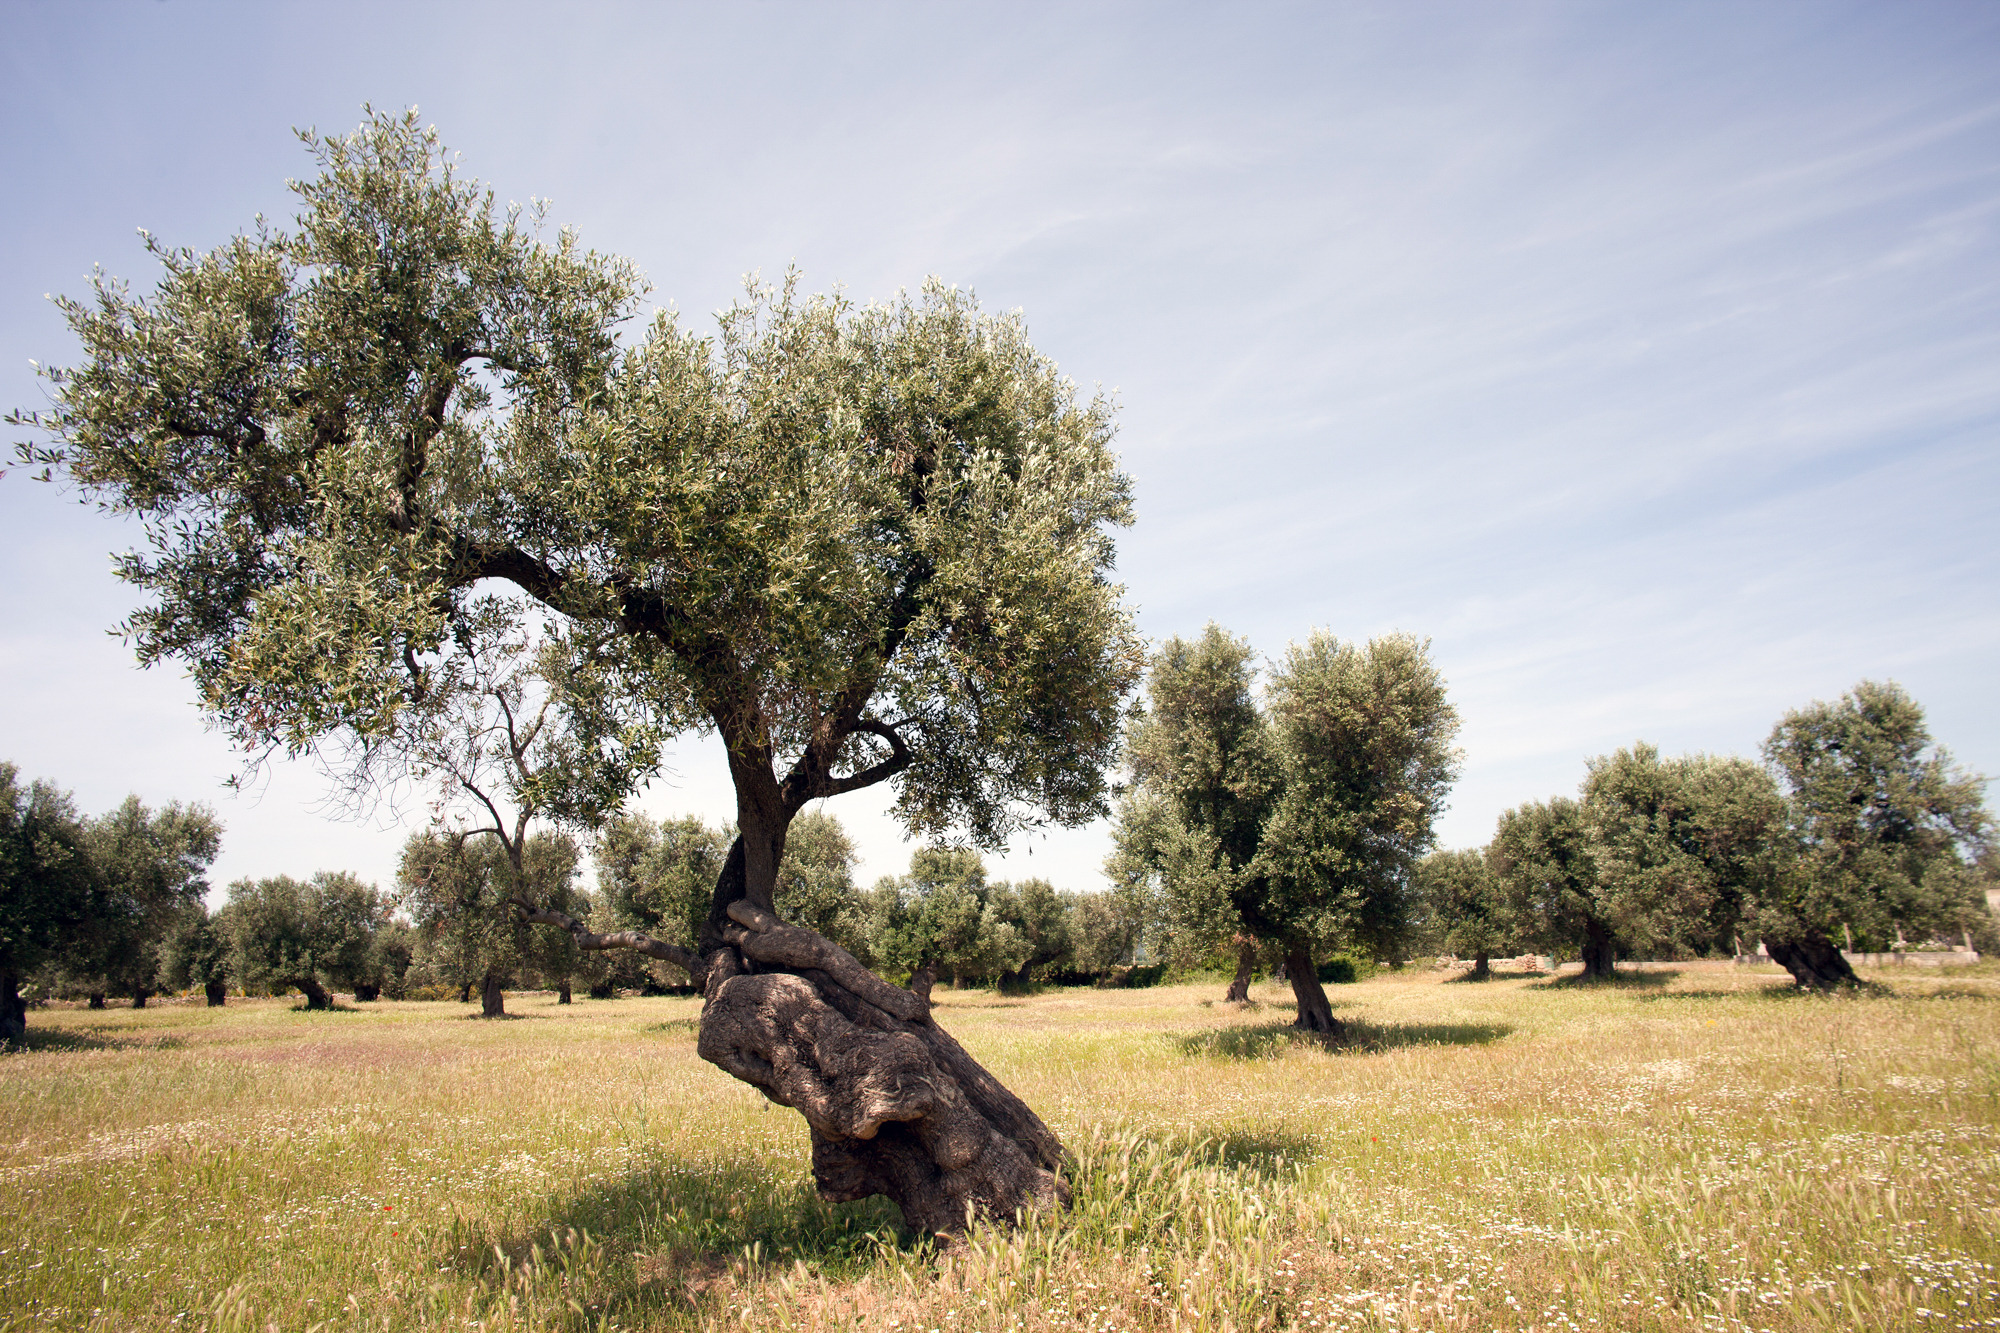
point(312, 935)
point(48, 889)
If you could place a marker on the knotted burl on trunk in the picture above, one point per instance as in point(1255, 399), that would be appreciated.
point(895, 1106)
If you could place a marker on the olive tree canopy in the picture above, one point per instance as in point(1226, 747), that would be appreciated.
point(861, 544)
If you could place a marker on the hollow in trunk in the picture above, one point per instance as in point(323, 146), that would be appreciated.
point(1315, 1010)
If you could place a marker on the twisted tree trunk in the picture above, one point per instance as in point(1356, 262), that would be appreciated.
point(893, 1104)
point(492, 1002)
point(317, 996)
point(1239, 985)
point(1315, 1010)
point(1815, 964)
point(13, 1010)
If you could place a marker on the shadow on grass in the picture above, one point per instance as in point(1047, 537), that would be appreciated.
point(62, 1039)
point(674, 1025)
point(1268, 1039)
point(1616, 981)
point(675, 1237)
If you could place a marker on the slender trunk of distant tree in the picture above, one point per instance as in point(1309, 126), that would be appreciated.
point(1246, 963)
point(562, 992)
point(1315, 1011)
point(317, 996)
point(97, 999)
point(492, 1004)
point(1814, 962)
point(465, 993)
point(217, 993)
point(13, 1010)
point(1599, 958)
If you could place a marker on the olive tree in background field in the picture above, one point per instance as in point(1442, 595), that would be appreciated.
point(859, 544)
point(151, 870)
point(1301, 825)
point(313, 935)
point(1542, 857)
point(458, 889)
point(1461, 907)
point(48, 892)
point(1889, 829)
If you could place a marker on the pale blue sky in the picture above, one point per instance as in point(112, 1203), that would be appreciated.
point(1645, 357)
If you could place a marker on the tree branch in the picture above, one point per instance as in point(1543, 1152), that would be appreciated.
point(636, 940)
point(898, 760)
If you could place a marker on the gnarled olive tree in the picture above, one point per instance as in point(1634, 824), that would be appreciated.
point(857, 544)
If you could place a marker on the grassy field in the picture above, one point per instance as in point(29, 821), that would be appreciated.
point(1689, 1150)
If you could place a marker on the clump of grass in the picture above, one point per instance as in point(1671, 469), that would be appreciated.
point(1705, 1154)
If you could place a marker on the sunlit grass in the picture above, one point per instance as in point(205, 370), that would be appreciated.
point(1692, 1150)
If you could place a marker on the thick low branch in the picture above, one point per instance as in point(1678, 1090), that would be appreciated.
point(636, 940)
point(765, 939)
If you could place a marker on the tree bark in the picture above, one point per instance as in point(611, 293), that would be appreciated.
point(1482, 968)
point(465, 992)
point(139, 994)
point(316, 994)
point(217, 994)
point(1315, 1011)
point(97, 999)
point(13, 1010)
point(1814, 962)
point(562, 992)
point(1239, 985)
point(894, 1105)
point(922, 980)
point(492, 1003)
point(1599, 957)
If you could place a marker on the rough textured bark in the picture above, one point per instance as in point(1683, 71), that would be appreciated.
point(922, 980)
point(13, 1009)
point(1815, 964)
point(316, 994)
point(217, 994)
point(1239, 985)
point(1599, 957)
point(894, 1106)
point(1315, 1011)
point(492, 1002)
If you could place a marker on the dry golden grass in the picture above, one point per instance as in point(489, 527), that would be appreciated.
point(1681, 1151)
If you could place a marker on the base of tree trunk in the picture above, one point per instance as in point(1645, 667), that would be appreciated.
point(1482, 968)
point(895, 1106)
point(603, 991)
point(1600, 958)
point(13, 1010)
point(465, 993)
point(217, 994)
point(562, 992)
point(317, 996)
point(139, 998)
point(1239, 985)
point(1815, 964)
point(492, 1002)
point(1315, 1010)
point(97, 1000)
point(363, 994)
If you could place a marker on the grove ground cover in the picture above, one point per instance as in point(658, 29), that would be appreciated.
point(1698, 1149)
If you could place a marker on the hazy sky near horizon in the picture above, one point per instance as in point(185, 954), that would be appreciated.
point(1644, 357)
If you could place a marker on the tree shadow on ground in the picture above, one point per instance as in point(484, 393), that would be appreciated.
point(63, 1039)
point(674, 1237)
point(1616, 981)
point(1265, 1040)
